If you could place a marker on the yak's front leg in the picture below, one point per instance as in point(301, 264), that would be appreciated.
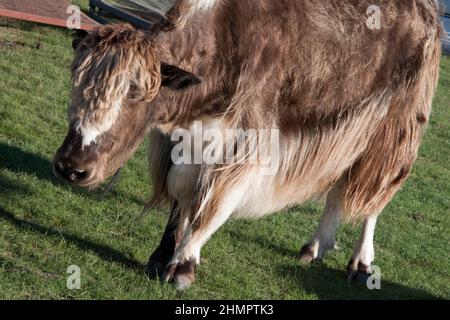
point(181, 269)
point(173, 234)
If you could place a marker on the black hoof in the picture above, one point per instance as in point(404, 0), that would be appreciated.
point(182, 275)
point(157, 264)
point(358, 272)
point(154, 270)
point(306, 255)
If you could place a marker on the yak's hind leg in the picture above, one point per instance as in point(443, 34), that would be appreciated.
point(376, 177)
point(386, 163)
point(364, 253)
point(324, 237)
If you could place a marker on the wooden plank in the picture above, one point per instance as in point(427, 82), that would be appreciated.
point(43, 11)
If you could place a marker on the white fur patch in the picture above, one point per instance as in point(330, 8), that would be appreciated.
point(367, 250)
point(90, 132)
point(89, 135)
point(364, 251)
point(261, 197)
point(202, 5)
point(324, 237)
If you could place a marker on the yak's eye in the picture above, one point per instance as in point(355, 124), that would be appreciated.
point(133, 92)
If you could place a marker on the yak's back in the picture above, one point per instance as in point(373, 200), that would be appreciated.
point(317, 59)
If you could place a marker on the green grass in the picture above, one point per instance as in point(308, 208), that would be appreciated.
point(46, 226)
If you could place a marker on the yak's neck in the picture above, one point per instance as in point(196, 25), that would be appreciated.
point(190, 44)
point(192, 48)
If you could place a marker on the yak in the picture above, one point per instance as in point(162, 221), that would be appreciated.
point(339, 93)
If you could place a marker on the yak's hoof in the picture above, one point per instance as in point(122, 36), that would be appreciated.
point(156, 264)
point(315, 251)
point(306, 255)
point(358, 272)
point(155, 269)
point(182, 282)
point(181, 274)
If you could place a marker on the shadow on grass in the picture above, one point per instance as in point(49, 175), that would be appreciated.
point(327, 283)
point(7, 184)
point(103, 251)
point(263, 242)
point(18, 24)
point(17, 160)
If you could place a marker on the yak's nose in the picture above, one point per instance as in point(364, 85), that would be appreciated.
point(69, 172)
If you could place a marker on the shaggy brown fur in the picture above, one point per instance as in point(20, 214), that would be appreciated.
point(354, 98)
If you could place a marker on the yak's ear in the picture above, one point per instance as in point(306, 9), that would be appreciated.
point(176, 78)
point(78, 37)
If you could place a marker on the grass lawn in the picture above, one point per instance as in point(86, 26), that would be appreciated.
point(46, 226)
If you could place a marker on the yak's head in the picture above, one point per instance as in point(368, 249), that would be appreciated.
point(116, 74)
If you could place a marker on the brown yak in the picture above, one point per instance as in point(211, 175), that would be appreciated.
point(348, 99)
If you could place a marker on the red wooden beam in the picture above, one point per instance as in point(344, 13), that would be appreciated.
point(43, 19)
point(51, 12)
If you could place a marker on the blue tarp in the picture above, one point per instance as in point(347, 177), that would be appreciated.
point(446, 23)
